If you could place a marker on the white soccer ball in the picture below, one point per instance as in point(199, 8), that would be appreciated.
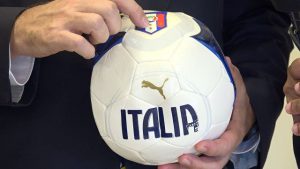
point(158, 91)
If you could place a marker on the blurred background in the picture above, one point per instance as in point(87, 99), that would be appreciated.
point(281, 155)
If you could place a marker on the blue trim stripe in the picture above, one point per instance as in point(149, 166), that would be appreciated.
point(157, 28)
point(101, 49)
point(206, 38)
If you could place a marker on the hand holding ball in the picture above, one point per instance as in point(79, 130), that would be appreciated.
point(158, 91)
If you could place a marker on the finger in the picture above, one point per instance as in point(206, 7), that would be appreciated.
point(134, 11)
point(294, 69)
point(111, 15)
point(296, 118)
point(297, 88)
point(203, 162)
point(75, 43)
point(293, 107)
point(109, 11)
point(296, 129)
point(288, 108)
point(241, 93)
point(235, 73)
point(228, 60)
point(289, 91)
point(218, 147)
point(170, 166)
point(91, 24)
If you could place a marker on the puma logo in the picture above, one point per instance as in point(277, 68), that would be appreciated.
point(154, 87)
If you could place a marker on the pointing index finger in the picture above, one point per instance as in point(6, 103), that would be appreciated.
point(134, 11)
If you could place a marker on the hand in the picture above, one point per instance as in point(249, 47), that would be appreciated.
point(216, 153)
point(292, 92)
point(59, 25)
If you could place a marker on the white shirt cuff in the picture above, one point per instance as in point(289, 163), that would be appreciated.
point(246, 156)
point(249, 145)
point(20, 69)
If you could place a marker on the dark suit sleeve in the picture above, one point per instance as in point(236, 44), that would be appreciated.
point(7, 18)
point(256, 39)
point(8, 15)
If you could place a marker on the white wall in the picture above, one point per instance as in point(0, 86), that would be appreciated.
point(281, 154)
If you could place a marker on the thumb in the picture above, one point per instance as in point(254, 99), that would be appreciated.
point(237, 77)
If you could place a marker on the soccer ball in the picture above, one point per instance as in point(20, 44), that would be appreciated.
point(158, 91)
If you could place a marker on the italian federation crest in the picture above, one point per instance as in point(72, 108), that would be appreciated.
point(157, 22)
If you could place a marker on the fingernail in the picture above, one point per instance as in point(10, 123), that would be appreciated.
point(201, 149)
point(228, 60)
point(185, 162)
point(297, 87)
point(295, 130)
point(145, 21)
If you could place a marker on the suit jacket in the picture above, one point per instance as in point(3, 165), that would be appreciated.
point(53, 126)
